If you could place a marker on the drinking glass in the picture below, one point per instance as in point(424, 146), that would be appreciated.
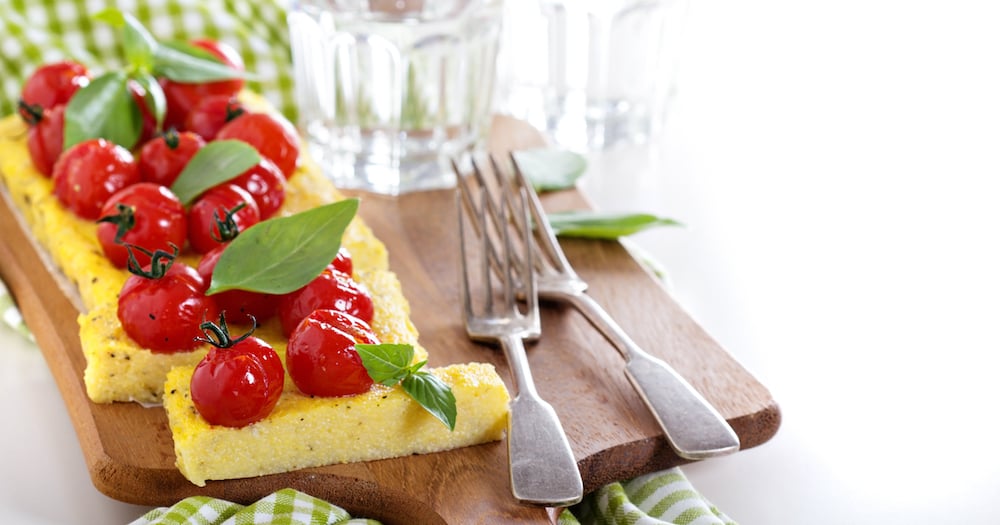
point(390, 90)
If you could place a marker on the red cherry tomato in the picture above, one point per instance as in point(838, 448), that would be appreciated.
point(238, 382)
point(211, 114)
point(271, 134)
point(215, 207)
point(321, 358)
point(45, 135)
point(266, 184)
point(330, 289)
point(343, 262)
point(147, 215)
point(89, 173)
point(163, 158)
point(182, 97)
point(163, 311)
point(238, 305)
point(54, 84)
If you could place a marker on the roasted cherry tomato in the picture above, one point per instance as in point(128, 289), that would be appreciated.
point(211, 114)
point(45, 135)
point(271, 134)
point(239, 305)
point(265, 182)
point(330, 289)
point(89, 173)
point(54, 84)
point(162, 306)
point(239, 381)
point(143, 214)
point(182, 97)
point(163, 158)
point(218, 215)
point(343, 261)
point(321, 358)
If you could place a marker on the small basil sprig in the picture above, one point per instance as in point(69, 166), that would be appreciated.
point(603, 225)
point(389, 364)
point(105, 108)
point(215, 163)
point(283, 254)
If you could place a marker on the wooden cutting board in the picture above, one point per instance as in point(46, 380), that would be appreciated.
point(129, 452)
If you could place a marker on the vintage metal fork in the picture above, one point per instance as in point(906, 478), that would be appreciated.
point(693, 427)
point(543, 470)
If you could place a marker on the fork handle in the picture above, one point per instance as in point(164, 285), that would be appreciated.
point(694, 428)
point(543, 470)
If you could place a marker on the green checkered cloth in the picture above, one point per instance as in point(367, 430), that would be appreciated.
point(35, 32)
point(660, 498)
point(11, 315)
point(284, 507)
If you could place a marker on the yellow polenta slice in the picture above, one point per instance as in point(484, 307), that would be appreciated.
point(309, 432)
point(302, 431)
point(117, 368)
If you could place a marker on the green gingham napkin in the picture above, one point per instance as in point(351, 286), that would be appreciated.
point(284, 507)
point(33, 32)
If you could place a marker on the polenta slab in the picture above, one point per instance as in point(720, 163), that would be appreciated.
point(302, 431)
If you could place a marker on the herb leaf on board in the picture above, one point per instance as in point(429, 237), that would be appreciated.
point(604, 225)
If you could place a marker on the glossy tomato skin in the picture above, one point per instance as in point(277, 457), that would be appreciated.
point(271, 134)
point(164, 315)
point(159, 222)
point(182, 97)
point(237, 386)
point(321, 358)
point(54, 84)
point(45, 139)
point(209, 115)
point(162, 158)
point(343, 262)
point(203, 231)
point(89, 173)
point(238, 305)
point(265, 182)
point(331, 289)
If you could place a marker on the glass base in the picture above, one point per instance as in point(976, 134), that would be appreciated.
point(384, 175)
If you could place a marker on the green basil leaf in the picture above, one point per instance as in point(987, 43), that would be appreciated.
point(432, 394)
point(184, 63)
point(139, 43)
point(551, 169)
point(215, 163)
point(153, 96)
point(601, 225)
point(283, 254)
point(386, 363)
point(104, 108)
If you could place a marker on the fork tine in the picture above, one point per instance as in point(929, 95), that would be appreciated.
point(545, 236)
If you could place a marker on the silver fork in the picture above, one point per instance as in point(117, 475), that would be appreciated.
point(543, 470)
point(693, 427)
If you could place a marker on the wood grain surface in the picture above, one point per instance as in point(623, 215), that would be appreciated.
point(129, 452)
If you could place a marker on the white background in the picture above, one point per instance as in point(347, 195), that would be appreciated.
point(836, 165)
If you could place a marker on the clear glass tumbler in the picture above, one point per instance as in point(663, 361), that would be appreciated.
point(590, 73)
point(390, 90)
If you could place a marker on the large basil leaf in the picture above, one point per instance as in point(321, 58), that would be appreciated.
point(283, 254)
